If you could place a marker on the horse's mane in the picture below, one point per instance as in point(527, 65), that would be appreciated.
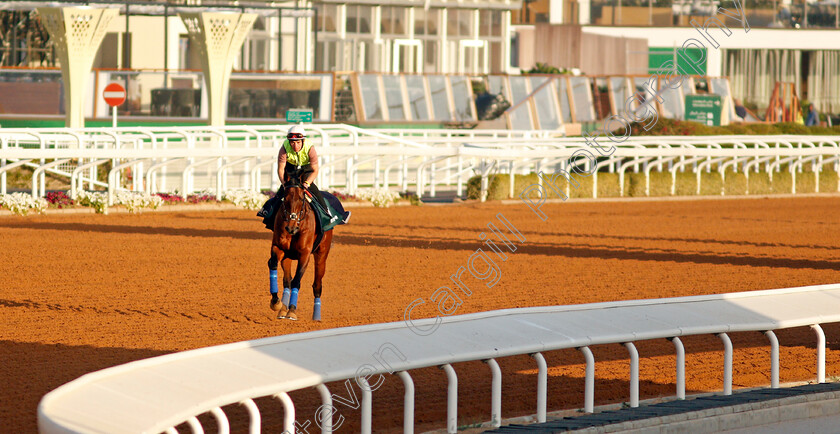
point(294, 182)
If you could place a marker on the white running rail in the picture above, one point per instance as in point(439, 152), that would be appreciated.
point(157, 394)
point(222, 158)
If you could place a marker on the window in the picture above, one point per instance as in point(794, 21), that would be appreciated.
point(393, 20)
point(490, 23)
point(520, 117)
point(393, 97)
point(544, 102)
point(369, 84)
point(417, 97)
point(440, 99)
point(327, 17)
point(462, 96)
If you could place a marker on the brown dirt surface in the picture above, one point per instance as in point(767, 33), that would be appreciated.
point(84, 292)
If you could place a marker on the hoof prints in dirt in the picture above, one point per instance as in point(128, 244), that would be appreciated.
point(34, 305)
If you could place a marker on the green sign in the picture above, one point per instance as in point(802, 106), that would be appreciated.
point(298, 115)
point(661, 60)
point(704, 109)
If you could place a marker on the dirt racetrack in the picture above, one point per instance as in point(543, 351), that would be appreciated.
point(84, 292)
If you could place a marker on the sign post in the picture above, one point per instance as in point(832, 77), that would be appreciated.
point(114, 95)
point(705, 109)
point(298, 115)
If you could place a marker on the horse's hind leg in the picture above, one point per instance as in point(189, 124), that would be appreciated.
point(320, 268)
point(317, 287)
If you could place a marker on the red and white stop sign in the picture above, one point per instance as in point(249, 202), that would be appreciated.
point(114, 94)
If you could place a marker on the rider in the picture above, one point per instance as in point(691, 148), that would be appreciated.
point(298, 159)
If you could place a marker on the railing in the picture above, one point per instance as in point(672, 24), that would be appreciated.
point(157, 394)
point(245, 156)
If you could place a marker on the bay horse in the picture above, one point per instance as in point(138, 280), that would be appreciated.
point(293, 239)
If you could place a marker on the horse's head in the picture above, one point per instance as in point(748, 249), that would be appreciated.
point(294, 209)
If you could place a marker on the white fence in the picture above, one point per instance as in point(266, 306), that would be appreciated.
point(190, 159)
point(157, 394)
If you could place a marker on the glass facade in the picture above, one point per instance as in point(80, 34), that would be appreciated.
point(470, 40)
point(759, 13)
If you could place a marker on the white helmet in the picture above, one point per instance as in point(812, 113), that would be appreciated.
point(296, 132)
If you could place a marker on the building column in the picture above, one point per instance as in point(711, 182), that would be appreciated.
point(218, 36)
point(77, 33)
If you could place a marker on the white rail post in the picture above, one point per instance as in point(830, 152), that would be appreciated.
point(432, 170)
point(451, 399)
point(288, 412)
point(408, 403)
point(634, 374)
point(195, 425)
point(727, 363)
point(589, 382)
point(3, 145)
point(255, 426)
point(542, 386)
point(774, 359)
point(680, 367)
point(820, 352)
point(496, 394)
point(512, 190)
point(221, 419)
point(460, 184)
point(326, 402)
point(367, 406)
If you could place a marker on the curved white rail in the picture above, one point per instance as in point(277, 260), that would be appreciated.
point(425, 159)
point(156, 394)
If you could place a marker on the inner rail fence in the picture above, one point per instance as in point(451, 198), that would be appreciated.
point(161, 393)
point(189, 159)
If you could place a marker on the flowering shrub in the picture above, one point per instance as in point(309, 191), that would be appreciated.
point(134, 201)
point(245, 198)
point(343, 196)
point(59, 199)
point(380, 197)
point(98, 201)
point(202, 196)
point(22, 203)
point(169, 198)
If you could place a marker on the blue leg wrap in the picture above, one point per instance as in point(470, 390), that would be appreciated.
point(272, 278)
point(293, 297)
point(316, 312)
point(285, 298)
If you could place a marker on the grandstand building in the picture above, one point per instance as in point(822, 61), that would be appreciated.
point(409, 61)
point(788, 41)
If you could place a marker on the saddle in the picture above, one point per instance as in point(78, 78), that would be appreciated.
point(326, 219)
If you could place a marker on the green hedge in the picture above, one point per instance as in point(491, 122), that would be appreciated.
point(660, 184)
point(671, 127)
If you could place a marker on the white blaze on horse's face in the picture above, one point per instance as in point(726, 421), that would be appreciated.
point(294, 210)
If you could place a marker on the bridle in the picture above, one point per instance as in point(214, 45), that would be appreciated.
point(294, 216)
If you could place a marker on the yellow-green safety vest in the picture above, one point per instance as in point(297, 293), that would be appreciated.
point(297, 158)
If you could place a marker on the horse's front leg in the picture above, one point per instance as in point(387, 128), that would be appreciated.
point(286, 263)
point(295, 284)
point(276, 256)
